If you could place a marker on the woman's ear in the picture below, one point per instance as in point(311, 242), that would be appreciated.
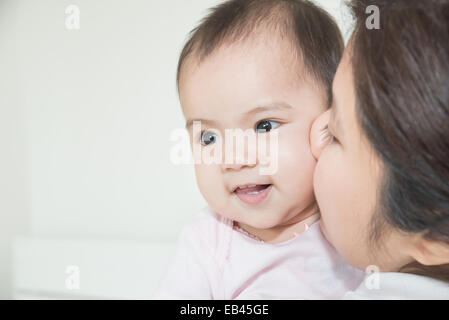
point(429, 253)
point(318, 134)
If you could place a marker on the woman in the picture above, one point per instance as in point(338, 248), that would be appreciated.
point(382, 181)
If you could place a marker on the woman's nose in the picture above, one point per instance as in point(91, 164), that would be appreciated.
point(318, 134)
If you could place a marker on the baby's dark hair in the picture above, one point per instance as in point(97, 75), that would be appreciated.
point(313, 32)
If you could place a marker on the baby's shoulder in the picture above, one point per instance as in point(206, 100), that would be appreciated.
point(207, 228)
point(206, 220)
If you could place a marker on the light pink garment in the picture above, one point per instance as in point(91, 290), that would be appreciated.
point(214, 260)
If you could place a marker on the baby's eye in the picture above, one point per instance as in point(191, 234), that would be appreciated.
point(266, 126)
point(208, 137)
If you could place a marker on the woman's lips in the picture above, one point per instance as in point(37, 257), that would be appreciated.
point(253, 194)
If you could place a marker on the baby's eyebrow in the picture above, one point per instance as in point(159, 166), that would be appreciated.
point(282, 106)
point(189, 122)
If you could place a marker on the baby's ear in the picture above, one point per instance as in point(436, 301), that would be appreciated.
point(318, 134)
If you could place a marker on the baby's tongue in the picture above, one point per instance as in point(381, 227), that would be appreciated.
point(257, 188)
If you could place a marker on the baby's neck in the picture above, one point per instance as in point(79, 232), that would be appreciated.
point(286, 231)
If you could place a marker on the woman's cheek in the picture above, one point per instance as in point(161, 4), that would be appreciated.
point(327, 187)
point(336, 191)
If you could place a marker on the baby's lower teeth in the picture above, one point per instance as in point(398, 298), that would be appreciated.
point(253, 192)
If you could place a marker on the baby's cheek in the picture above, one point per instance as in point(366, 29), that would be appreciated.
point(296, 162)
point(295, 176)
point(208, 180)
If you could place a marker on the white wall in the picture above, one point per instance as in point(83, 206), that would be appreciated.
point(86, 117)
point(101, 104)
point(14, 213)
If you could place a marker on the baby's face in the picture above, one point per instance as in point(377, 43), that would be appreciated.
point(254, 86)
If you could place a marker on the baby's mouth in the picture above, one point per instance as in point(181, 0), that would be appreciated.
point(253, 194)
point(251, 189)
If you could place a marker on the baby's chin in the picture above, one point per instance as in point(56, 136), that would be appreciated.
point(259, 218)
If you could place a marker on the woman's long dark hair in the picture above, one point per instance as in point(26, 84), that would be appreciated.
point(401, 77)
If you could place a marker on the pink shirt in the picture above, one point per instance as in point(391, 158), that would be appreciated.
point(215, 260)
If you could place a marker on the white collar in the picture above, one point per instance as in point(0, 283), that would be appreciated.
point(397, 285)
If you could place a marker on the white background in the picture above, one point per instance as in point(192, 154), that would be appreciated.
point(85, 121)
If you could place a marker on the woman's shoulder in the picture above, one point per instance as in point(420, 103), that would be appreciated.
point(401, 286)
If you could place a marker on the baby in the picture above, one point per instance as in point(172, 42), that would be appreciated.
point(266, 67)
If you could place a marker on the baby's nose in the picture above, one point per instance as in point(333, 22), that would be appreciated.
point(238, 163)
point(318, 135)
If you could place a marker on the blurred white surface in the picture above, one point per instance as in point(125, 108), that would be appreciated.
point(85, 119)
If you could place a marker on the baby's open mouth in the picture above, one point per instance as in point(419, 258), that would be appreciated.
point(254, 193)
point(252, 189)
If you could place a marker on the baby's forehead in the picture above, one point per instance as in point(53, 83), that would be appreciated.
point(263, 53)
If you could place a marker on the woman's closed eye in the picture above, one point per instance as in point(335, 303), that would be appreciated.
point(266, 126)
point(327, 135)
